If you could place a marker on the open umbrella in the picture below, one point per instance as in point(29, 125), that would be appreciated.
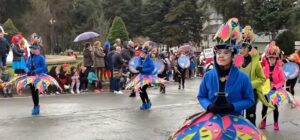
point(187, 48)
point(184, 61)
point(141, 80)
point(159, 67)
point(41, 82)
point(133, 64)
point(86, 36)
point(210, 126)
point(291, 70)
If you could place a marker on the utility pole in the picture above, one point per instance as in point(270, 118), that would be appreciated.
point(53, 41)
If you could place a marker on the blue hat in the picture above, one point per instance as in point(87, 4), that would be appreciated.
point(35, 47)
point(106, 44)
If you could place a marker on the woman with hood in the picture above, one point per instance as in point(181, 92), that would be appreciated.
point(274, 72)
point(225, 77)
point(225, 92)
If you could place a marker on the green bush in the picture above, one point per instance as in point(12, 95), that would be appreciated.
point(9, 27)
point(118, 30)
point(286, 42)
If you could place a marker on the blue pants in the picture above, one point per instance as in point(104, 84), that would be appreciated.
point(3, 60)
point(116, 84)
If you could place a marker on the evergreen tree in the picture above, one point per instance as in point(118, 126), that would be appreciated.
point(134, 20)
point(10, 28)
point(230, 8)
point(118, 30)
point(15, 10)
point(269, 16)
point(185, 20)
point(286, 42)
point(85, 15)
point(153, 19)
point(113, 8)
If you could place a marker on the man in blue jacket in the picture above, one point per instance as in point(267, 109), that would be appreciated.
point(36, 65)
point(225, 78)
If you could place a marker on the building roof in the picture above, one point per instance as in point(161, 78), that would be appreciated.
point(215, 16)
point(262, 38)
point(211, 29)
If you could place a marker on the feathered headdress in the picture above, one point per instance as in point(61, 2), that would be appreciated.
point(248, 34)
point(229, 35)
point(36, 39)
point(148, 46)
point(272, 50)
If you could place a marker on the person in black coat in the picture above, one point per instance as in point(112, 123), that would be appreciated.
point(164, 74)
point(83, 74)
point(110, 66)
point(4, 48)
point(117, 62)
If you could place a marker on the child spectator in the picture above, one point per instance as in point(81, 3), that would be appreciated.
point(53, 73)
point(83, 77)
point(5, 77)
point(64, 77)
point(75, 80)
point(93, 80)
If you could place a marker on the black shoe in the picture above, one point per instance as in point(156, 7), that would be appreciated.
point(5, 95)
point(179, 87)
point(10, 95)
point(132, 95)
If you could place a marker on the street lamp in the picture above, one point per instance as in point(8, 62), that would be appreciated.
point(52, 33)
point(52, 21)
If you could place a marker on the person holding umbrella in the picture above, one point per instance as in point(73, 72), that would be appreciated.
point(180, 71)
point(88, 49)
point(88, 56)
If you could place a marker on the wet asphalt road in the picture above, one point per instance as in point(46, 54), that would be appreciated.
point(107, 116)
